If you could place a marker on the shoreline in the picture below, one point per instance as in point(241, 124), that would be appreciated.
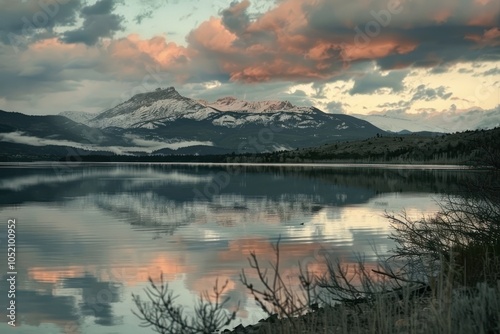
point(384, 165)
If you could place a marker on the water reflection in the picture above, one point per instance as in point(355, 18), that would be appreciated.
point(89, 237)
point(65, 302)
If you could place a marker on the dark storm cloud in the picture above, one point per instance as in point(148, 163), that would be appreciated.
point(421, 93)
point(438, 47)
point(99, 21)
point(371, 82)
point(25, 22)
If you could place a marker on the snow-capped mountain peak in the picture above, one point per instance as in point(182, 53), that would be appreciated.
point(163, 108)
point(230, 103)
point(143, 110)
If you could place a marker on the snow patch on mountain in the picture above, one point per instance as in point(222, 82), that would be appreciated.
point(286, 120)
point(232, 104)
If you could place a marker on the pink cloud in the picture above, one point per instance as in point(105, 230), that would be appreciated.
point(490, 37)
point(379, 49)
point(213, 35)
point(442, 15)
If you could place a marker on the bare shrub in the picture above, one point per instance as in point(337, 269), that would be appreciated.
point(161, 313)
point(466, 230)
point(274, 295)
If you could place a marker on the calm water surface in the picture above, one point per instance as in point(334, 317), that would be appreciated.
point(90, 235)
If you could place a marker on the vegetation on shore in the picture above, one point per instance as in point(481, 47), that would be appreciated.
point(469, 147)
point(480, 147)
point(443, 277)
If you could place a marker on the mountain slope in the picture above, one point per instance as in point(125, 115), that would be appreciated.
point(53, 127)
point(78, 116)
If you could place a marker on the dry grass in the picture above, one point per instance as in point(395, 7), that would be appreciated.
point(446, 311)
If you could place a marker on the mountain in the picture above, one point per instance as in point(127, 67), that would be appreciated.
point(154, 109)
point(165, 122)
point(26, 136)
point(51, 127)
point(229, 123)
point(445, 122)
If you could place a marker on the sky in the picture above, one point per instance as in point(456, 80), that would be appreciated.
point(342, 56)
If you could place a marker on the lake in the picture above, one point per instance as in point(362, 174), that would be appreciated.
point(90, 235)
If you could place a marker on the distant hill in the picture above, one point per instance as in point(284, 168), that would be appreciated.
point(444, 122)
point(480, 147)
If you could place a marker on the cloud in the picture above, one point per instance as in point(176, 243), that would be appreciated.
point(98, 21)
point(318, 40)
point(23, 23)
point(235, 18)
point(141, 145)
point(396, 107)
point(304, 40)
point(493, 71)
point(142, 16)
point(263, 91)
point(371, 82)
point(290, 42)
point(335, 107)
point(47, 66)
point(429, 94)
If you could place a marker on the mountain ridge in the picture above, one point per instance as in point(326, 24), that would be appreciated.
point(166, 105)
point(230, 103)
